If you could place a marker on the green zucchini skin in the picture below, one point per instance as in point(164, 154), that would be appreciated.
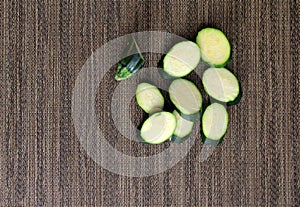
point(238, 99)
point(219, 40)
point(179, 140)
point(132, 62)
point(192, 117)
point(210, 142)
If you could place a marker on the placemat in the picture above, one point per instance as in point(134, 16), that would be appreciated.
point(44, 45)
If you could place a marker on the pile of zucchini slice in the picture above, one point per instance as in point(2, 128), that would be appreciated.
point(222, 86)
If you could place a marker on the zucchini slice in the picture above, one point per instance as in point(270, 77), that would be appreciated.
point(183, 128)
point(221, 84)
point(214, 124)
point(214, 46)
point(185, 96)
point(132, 62)
point(158, 128)
point(182, 59)
point(149, 98)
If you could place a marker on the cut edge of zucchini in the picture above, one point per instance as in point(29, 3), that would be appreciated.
point(215, 122)
point(207, 39)
point(182, 59)
point(158, 128)
point(214, 82)
point(193, 89)
point(146, 91)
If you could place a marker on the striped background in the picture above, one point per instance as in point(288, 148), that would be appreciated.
point(43, 46)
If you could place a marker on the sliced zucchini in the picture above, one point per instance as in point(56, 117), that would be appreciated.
point(214, 124)
point(183, 128)
point(132, 62)
point(182, 59)
point(158, 128)
point(221, 84)
point(149, 98)
point(185, 96)
point(214, 46)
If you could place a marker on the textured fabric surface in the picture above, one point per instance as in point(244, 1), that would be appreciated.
point(43, 46)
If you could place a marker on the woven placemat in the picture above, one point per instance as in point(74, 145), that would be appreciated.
point(43, 47)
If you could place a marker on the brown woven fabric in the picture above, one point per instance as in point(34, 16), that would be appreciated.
point(43, 46)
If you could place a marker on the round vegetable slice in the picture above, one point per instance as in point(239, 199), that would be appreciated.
point(214, 46)
point(182, 59)
point(158, 128)
point(214, 124)
point(185, 96)
point(149, 97)
point(221, 84)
